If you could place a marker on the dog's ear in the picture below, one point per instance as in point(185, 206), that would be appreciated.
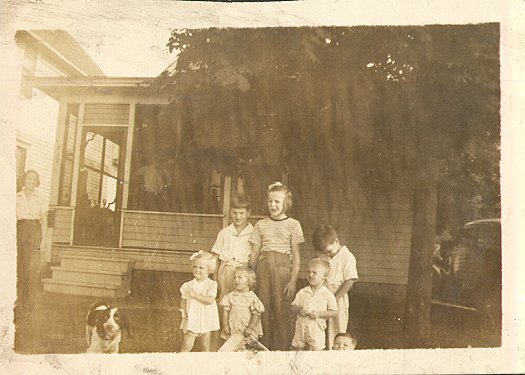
point(124, 322)
point(94, 313)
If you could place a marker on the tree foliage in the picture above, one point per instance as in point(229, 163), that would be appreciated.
point(363, 106)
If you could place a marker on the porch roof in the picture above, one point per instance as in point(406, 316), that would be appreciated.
point(58, 87)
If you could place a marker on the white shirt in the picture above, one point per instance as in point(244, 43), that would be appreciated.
point(231, 245)
point(321, 300)
point(342, 267)
point(33, 207)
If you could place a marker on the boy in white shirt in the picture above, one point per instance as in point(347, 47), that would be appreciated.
point(232, 246)
point(313, 305)
point(341, 277)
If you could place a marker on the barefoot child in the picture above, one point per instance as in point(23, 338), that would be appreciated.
point(313, 305)
point(242, 308)
point(198, 307)
point(276, 258)
point(342, 275)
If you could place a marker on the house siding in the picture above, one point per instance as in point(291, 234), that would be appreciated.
point(377, 230)
point(169, 231)
point(39, 155)
point(62, 225)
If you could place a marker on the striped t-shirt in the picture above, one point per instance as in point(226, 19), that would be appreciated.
point(277, 235)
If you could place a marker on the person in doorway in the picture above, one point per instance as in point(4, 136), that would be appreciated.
point(342, 275)
point(31, 216)
point(153, 180)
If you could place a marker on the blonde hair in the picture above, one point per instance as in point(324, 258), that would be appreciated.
point(208, 259)
point(320, 262)
point(280, 188)
point(250, 275)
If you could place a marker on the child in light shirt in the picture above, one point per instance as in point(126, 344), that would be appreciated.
point(232, 245)
point(341, 277)
point(313, 305)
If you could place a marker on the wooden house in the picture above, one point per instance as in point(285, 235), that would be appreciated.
point(105, 227)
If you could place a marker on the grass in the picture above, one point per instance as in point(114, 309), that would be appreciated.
point(57, 326)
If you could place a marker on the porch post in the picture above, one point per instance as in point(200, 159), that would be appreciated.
point(127, 170)
point(127, 162)
point(76, 167)
point(59, 150)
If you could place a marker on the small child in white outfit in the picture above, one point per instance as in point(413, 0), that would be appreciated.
point(242, 308)
point(313, 305)
point(198, 306)
point(341, 277)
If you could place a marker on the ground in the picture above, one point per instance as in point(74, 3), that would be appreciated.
point(57, 325)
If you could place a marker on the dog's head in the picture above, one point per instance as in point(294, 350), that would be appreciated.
point(107, 320)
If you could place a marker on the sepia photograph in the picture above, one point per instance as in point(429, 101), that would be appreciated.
point(255, 182)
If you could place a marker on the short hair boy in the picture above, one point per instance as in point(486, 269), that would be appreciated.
point(232, 245)
point(341, 277)
point(344, 341)
point(313, 305)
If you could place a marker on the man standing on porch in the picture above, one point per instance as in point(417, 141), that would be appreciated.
point(154, 179)
point(31, 216)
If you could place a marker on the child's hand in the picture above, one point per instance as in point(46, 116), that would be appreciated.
point(314, 315)
point(226, 330)
point(248, 331)
point(289, 290)
point(303, 312)
point(193, 294)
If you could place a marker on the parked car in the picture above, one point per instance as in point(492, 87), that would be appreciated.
point(467, 270)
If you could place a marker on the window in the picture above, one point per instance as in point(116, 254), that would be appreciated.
point(167, 174)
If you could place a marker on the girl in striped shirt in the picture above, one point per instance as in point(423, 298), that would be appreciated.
point(276, 258)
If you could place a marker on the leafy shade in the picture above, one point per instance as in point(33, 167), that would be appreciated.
point(363, 105)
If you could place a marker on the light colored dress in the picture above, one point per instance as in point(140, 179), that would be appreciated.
point(241, 307)
point(201, 318)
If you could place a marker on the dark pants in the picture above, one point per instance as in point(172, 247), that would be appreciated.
point(273, 273)
point(29, 264)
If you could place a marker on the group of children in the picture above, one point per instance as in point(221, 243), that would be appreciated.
point(257, 278)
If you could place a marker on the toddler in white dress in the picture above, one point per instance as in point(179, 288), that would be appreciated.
point(198, 307)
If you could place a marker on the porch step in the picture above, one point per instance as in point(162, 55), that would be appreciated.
point(88, 275)
point(145, 259)
point(94, 275)
point(81, 288)
point(93, 263)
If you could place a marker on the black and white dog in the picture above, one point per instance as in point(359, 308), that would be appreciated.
point(104, 326)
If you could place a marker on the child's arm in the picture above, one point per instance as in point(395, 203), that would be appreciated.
point(225, 323)
point(344, 288)
point(323, 314)
point(251, 325)
point(289, 289)
point(182, 308)
point(214, 275)
point(254, 256)
point(206, 300)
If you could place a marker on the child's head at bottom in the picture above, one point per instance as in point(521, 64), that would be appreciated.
point(344, 341)
point(243, 278)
